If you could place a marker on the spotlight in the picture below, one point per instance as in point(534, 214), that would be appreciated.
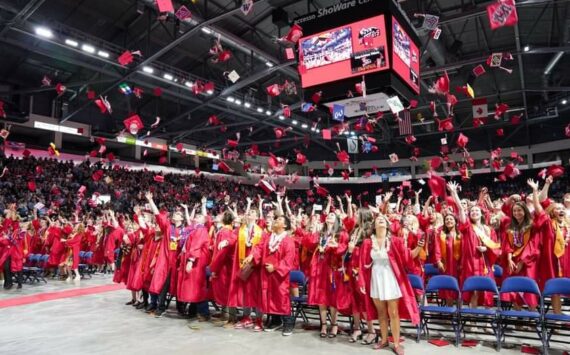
point(71, 43)
point(259, 109)
point(168, 76)
point(148, 70)
point(526, 48)
point(247, 104)
point(88, 48)
point(230, 99)
point(304, 125)
point(189, 84)
point(564, 102)
point(281, 117)
point(103, 54)
point(294, 122)
point(206, 30)
point(268, 113)
point(44, 32)
point(238, 102)
point(269, 64)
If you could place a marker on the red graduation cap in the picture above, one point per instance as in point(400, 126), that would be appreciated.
point(321, 191)
point(435, 162)
point(209, 87)
point(516, 119)
point(477, 122)
point(316, 97)
point(162, 160)
point(500, 132)
point(103, 105)
point(93, 154)
point(294, 34)
point(500, 109)
point(91, 95)
point(165, 5)
point(179, 147)
point(111, 157)
point(439, 342)
point(267, 186)
point(157, 91)
point(394, 158)
point(555, 171)
point(32, 186)
point(224, 167)
point(232, 143)
point(133, 124)
point(327, 134)
point(410, 139)
point(479, 70)
point(502, 13)
point(158, 178)
point(445, 124)
point(567, 131)
point(301, 159)
point(343, 157)
point(462, 140)
point(60, 89)
point(289, 53)
point(273, 90)
point(437, 185)
point(279, 132)
point(345, 175)
point(286, 111)
point(214, 120)
point(441, 85)
point(127, 57)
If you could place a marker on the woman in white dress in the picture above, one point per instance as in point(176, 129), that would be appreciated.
point(389, 282)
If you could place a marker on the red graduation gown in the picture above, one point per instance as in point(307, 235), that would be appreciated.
point(56, 246)
point(475, 263)
point(192, 286)
point(73, 247)
point(166, 255)
point(355, 273)
point(142, 276)
point(112, 242)
point(550, 266)
point(528, 253)
point(19, 250)
point(222, 262)
point(400, 261)
point(244, 293)
point(446, 251)
point(325, 280)
point(275, 286)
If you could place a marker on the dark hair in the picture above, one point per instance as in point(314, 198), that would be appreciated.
point(527, 220)
point(444, 227)
point(227, 218)
point(336, 227)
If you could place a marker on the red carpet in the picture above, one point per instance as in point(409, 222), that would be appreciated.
point(50, 296)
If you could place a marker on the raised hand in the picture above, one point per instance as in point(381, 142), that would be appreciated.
point(148, 195)
point(452, 186)
point(533, 184)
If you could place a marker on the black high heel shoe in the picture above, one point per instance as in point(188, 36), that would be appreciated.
point(354, 339)
point(323, 334)
point(333, 334)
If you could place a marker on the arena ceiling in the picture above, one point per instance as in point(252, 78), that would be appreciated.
point(537, 87)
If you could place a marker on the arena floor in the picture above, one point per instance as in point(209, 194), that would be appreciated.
point(100, 323)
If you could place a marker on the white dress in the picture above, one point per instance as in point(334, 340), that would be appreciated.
point(384, 285)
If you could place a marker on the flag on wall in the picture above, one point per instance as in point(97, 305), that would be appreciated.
point(405, 124)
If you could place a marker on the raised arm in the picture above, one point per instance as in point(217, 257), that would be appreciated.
point(288, 208)
point(339, 199)
point(204, 206)
point(186, 214)
point(113, 219)
point(452, 187)
point(417, 202)
point(329, 204)
point(260, 206)
point(349, 211)
point(544, 192)
point(535, 198)
point(426, 206)
point(151, 203)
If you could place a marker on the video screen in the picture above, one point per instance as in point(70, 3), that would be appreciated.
point(343, 52)
point(406, 56)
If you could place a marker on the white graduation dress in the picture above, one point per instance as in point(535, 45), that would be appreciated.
point(384, 285)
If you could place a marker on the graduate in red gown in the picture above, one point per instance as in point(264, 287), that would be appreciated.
point(166, 254)
point(194, 258)
point(329, 244)
point(520, 243)
point(480, 248)
point(364, 228)
point(448, 255)
point(56, 248)
point(144, 268)
point(397, 300)
point(19, 248)
point(554, 235)
point(72, 248)
point(275, 257)
point(113, 240)
point(223, 245)
point(244, 286)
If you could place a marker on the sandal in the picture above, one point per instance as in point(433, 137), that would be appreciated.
point(398, 350)
point(324, 334)
point(381, 345)
point(353, 338)
point(333, 334)
point(368, 340)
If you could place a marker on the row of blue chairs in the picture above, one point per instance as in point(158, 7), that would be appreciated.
point(34, 268)
point(500, 318)
point(545, 324)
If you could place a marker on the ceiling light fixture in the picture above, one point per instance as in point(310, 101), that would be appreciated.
point(148, 70)
point(71, 43)
point(88, 48)
point(44, 32)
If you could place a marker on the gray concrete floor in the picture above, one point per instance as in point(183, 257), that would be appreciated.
point(102, 324)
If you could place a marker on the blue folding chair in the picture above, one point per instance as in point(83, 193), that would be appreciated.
point(299, 303)
point(430, 270)
point(520, 285)
point(84, 265)
point(481, 315)
point(417, 284)
point(441, 313)
point(556, 323)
